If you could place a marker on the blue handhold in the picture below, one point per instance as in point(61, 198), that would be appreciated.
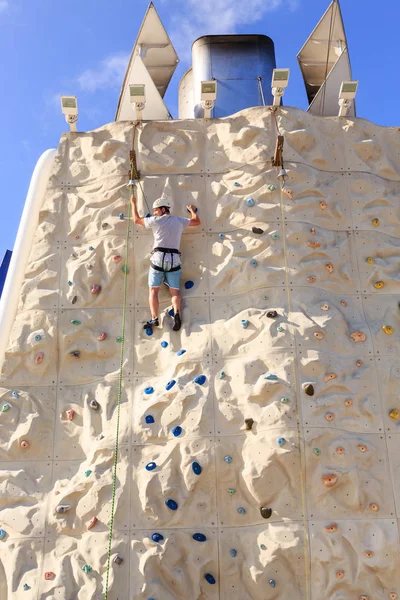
point(151, 466)
point(148, 390)
point(189, 284)
point(149, 419)
point(38, 337)
point(237, 184)
point(164, 344)
point(177, 430)
point(272, 582)
point(121, 216)
point(70, 283)
point(149, 331)
point(244, 323)
point(196, 468)
point(15, 394)
point(199, 537)
point(242, 511)
point(228, 459)
point(250, 202)
point(210, 578)
point(26, 587)
point(221, 236)
point(253, 263)
point(171, 504)
point(2, 534)
point(222, 375)
point(280, 441)
point(233, 552)
point(157, 537)
point(180, 352)
point(91, 248)
point(200, 379)
point(271, 377)
point(171, 312)
point(170, 384)
point(147, 216)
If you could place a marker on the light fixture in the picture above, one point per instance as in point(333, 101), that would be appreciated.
point(280, 81)
point(208, 97)
point(347, 93)
point(69, 107)
point(137, 97)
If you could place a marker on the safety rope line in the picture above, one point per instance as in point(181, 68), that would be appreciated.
point(331, 27)
point(116, 449)
point(299, 440)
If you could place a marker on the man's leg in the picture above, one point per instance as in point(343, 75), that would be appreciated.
point(172, 279)
point(155, 280)
point(153, 301)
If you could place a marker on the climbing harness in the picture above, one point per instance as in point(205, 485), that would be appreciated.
point(301, 460)
point(134, 173)
point(166, 251)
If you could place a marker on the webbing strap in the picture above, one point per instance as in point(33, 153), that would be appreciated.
point(114, 476)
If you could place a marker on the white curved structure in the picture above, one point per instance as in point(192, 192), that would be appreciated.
point(22, 246)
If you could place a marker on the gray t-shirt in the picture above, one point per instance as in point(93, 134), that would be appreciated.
point(167, 231)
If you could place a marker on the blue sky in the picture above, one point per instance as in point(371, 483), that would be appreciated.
point(81, 47)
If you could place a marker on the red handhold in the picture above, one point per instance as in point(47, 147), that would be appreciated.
point(49, 575)
point(39, 358)
point(70, 414)
point(102, 336)
point(91, 523)
point(116, 258)
point(329, 480)
point(24, 444)
point(95, 288)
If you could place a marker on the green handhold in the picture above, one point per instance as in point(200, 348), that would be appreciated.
point(280, 329)
point(87, 568)
point(120, 339)
point(5, 407)
point(266, 297)
point(231, 491)
point(75, 322)
point(271, 187)
point(263, 546)
point(125, 269)
point(88, 473)
point(317, 451)
point(275, 236)
point(284, 400)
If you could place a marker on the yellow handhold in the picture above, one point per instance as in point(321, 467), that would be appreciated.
point(370, 260)
point(388, 329)
point(394, 414)
point(375, 222)
point(378, 285)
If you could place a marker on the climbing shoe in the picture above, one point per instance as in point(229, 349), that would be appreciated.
point(177, 322)
point(151, 323)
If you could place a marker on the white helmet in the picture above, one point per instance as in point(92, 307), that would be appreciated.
point(163, 201)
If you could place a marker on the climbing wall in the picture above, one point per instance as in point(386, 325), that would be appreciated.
point(259, 446)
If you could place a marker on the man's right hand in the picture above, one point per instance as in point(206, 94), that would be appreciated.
point(191, 207)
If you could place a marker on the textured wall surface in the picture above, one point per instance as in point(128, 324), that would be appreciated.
point(323, 467)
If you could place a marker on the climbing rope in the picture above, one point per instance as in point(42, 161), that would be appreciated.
point(299, 440)
point(116, 449)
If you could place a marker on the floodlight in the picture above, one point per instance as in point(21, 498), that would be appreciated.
point(347, 93)
point(69, 107)
point(137, 96)
point(208, 96)
point(280, 81)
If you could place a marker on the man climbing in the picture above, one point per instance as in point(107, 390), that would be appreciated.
point(165, 257)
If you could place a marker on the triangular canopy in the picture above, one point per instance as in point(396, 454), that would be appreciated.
point(157, 53)
point(325, 49)
point(155, 109)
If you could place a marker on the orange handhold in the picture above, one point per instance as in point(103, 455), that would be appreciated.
point(340, 574)
point(340, 450)
point(348, 402)
point(343, 302)
point(70, 414)
point(392, 596)
point(318, 335)
point(373, 506)
point(102, 336)
point(329, 416)
point(49, 575)
point(91, 523)
point(378, 285)
point(313, 230)
point(368, 553)
point(311, 279)
point(323, 204)
point(329, 267)
point(331, 528)
point(24, 444)
point(324, 306)
point(117, 258)
point(288, 192)
point(313, 244)
point(39, 358)
point(329, 480)
point(362, 447)
point(364, 597)
point(375, 222)
point(359, 363)
point(329, 376)
point(358, 336)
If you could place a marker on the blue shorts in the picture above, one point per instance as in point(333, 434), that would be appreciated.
point(172, 278)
